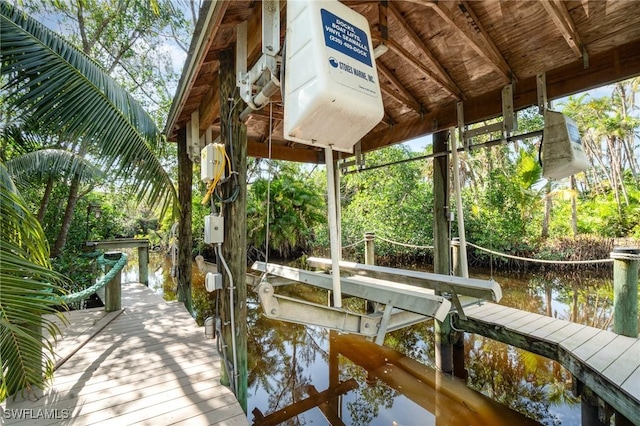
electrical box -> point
(209, 330)
(213, 229)
(212, 162)
(331, 92)
(562, 152)
(213, 282)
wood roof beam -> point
(209, 107)
(443, 79)
(473, 31)
(261, 150)
(401, 94)
(561, 18)
(605, 68)
(419, 66)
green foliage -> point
(27, 291)
(57, 89)
(295, 208)
(395, 202)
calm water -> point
(397, 385)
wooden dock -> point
(147, 364)
(606, 362)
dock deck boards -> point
(146, 364)
(600, 358)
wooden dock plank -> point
(223, 414)
(150, 361)
(609, 363)
(593, 345)
(564, 333)
(550, 328)
(632, 384)
(505, 317)
(610, 352)
(536, 324)
(579, 338)
(525, 319)
(622, 368)
(487, 310)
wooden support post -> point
(594, 412)
(233, 133)
(113, 290)
(369, 248)
(458, 341)
(625, 291)
(441, 263)
(334, 371)
(185, 235)
(370, 259)
(143, 264)
(455, 256)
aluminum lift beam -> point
(404, 304)
(473, 287)
(462, 291)
(407, 297)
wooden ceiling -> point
(440, 53)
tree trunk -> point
(45, 199)
(72, 200)
(185, 236)
(548, 204)
(574, 207)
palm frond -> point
(60, 90)
(45, 163)
(27, 286)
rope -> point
(404, 244)
(614, 255)
(81, 295)
(555, 262)
(352, 245)
(625, 256)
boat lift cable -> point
(270, 176)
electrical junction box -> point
(213, 282)
(331, 91)
(562, 152)
(212, 162)
(213, 229)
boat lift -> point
(409, 297)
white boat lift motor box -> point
(562, 152)
(331, 92)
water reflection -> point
(290, 363)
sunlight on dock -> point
(148, 363)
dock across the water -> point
(608, 363)
(146, 364)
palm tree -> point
(50, 165)
(27, 291)
(57, 89)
